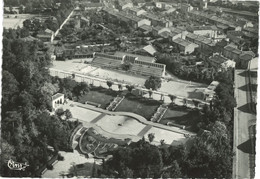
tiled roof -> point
(182, 42)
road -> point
(244, 121)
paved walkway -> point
(243, 166)
(144, 130)
(98, 118)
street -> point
(244, 121)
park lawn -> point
(138, 105)
(182, 116)
(99, 95)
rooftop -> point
(56, 96)
(182, 42)
(218, 59)
(150, 49)
(140, 57)
(146, 27)
(232, 49)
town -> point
(129, 88)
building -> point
(163, 5)
(123, 4)
(91, 6)
(155, 21)
(45, 35)
(220, 62)
(245, 58)
(57, 100)
(140, 3)
(186, 7)
(171, 10)
(231, 52)
(136, 56)
(208, 31)
(253, 65)
(135, 11)
(235, 36)
(149, 49)
(244, 23)
(242, 58)
(185, 46)
(203, 42)
(140, 64)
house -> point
(150, 49)
(171, 10)
(153, 18)
(253, 65)
(244, 23)
(146, 28)
(208, 31)
(203, 42)
(149, 5)
(135, 11)
(123, 4)
(235, 36)
(231, 52)
(241, 58)
(95, 6)
(163, 5)
(46, 35)
(59, 52)
(185, 46)
(186, 7)
(245, 58)
(220, 62)
(140, 3)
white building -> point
(57, 100)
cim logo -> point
(16, 166)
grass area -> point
(182, 116)
(138, 105)
(99, 95)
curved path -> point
(138, 118)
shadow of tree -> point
(247, 146)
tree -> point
(109, 84)
(150, 93)
(162, 142)
(120, 87)
(130, 88)
(94, 171)
(153, 83)
(59, 112)
(68, 114)
(172, 97)
(151, 137)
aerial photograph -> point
(129, 88)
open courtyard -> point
(175, 87)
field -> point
(12, 22)
(99, 95)
(181, 116)
(141, 106)
(118, 76)
(182, 88)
